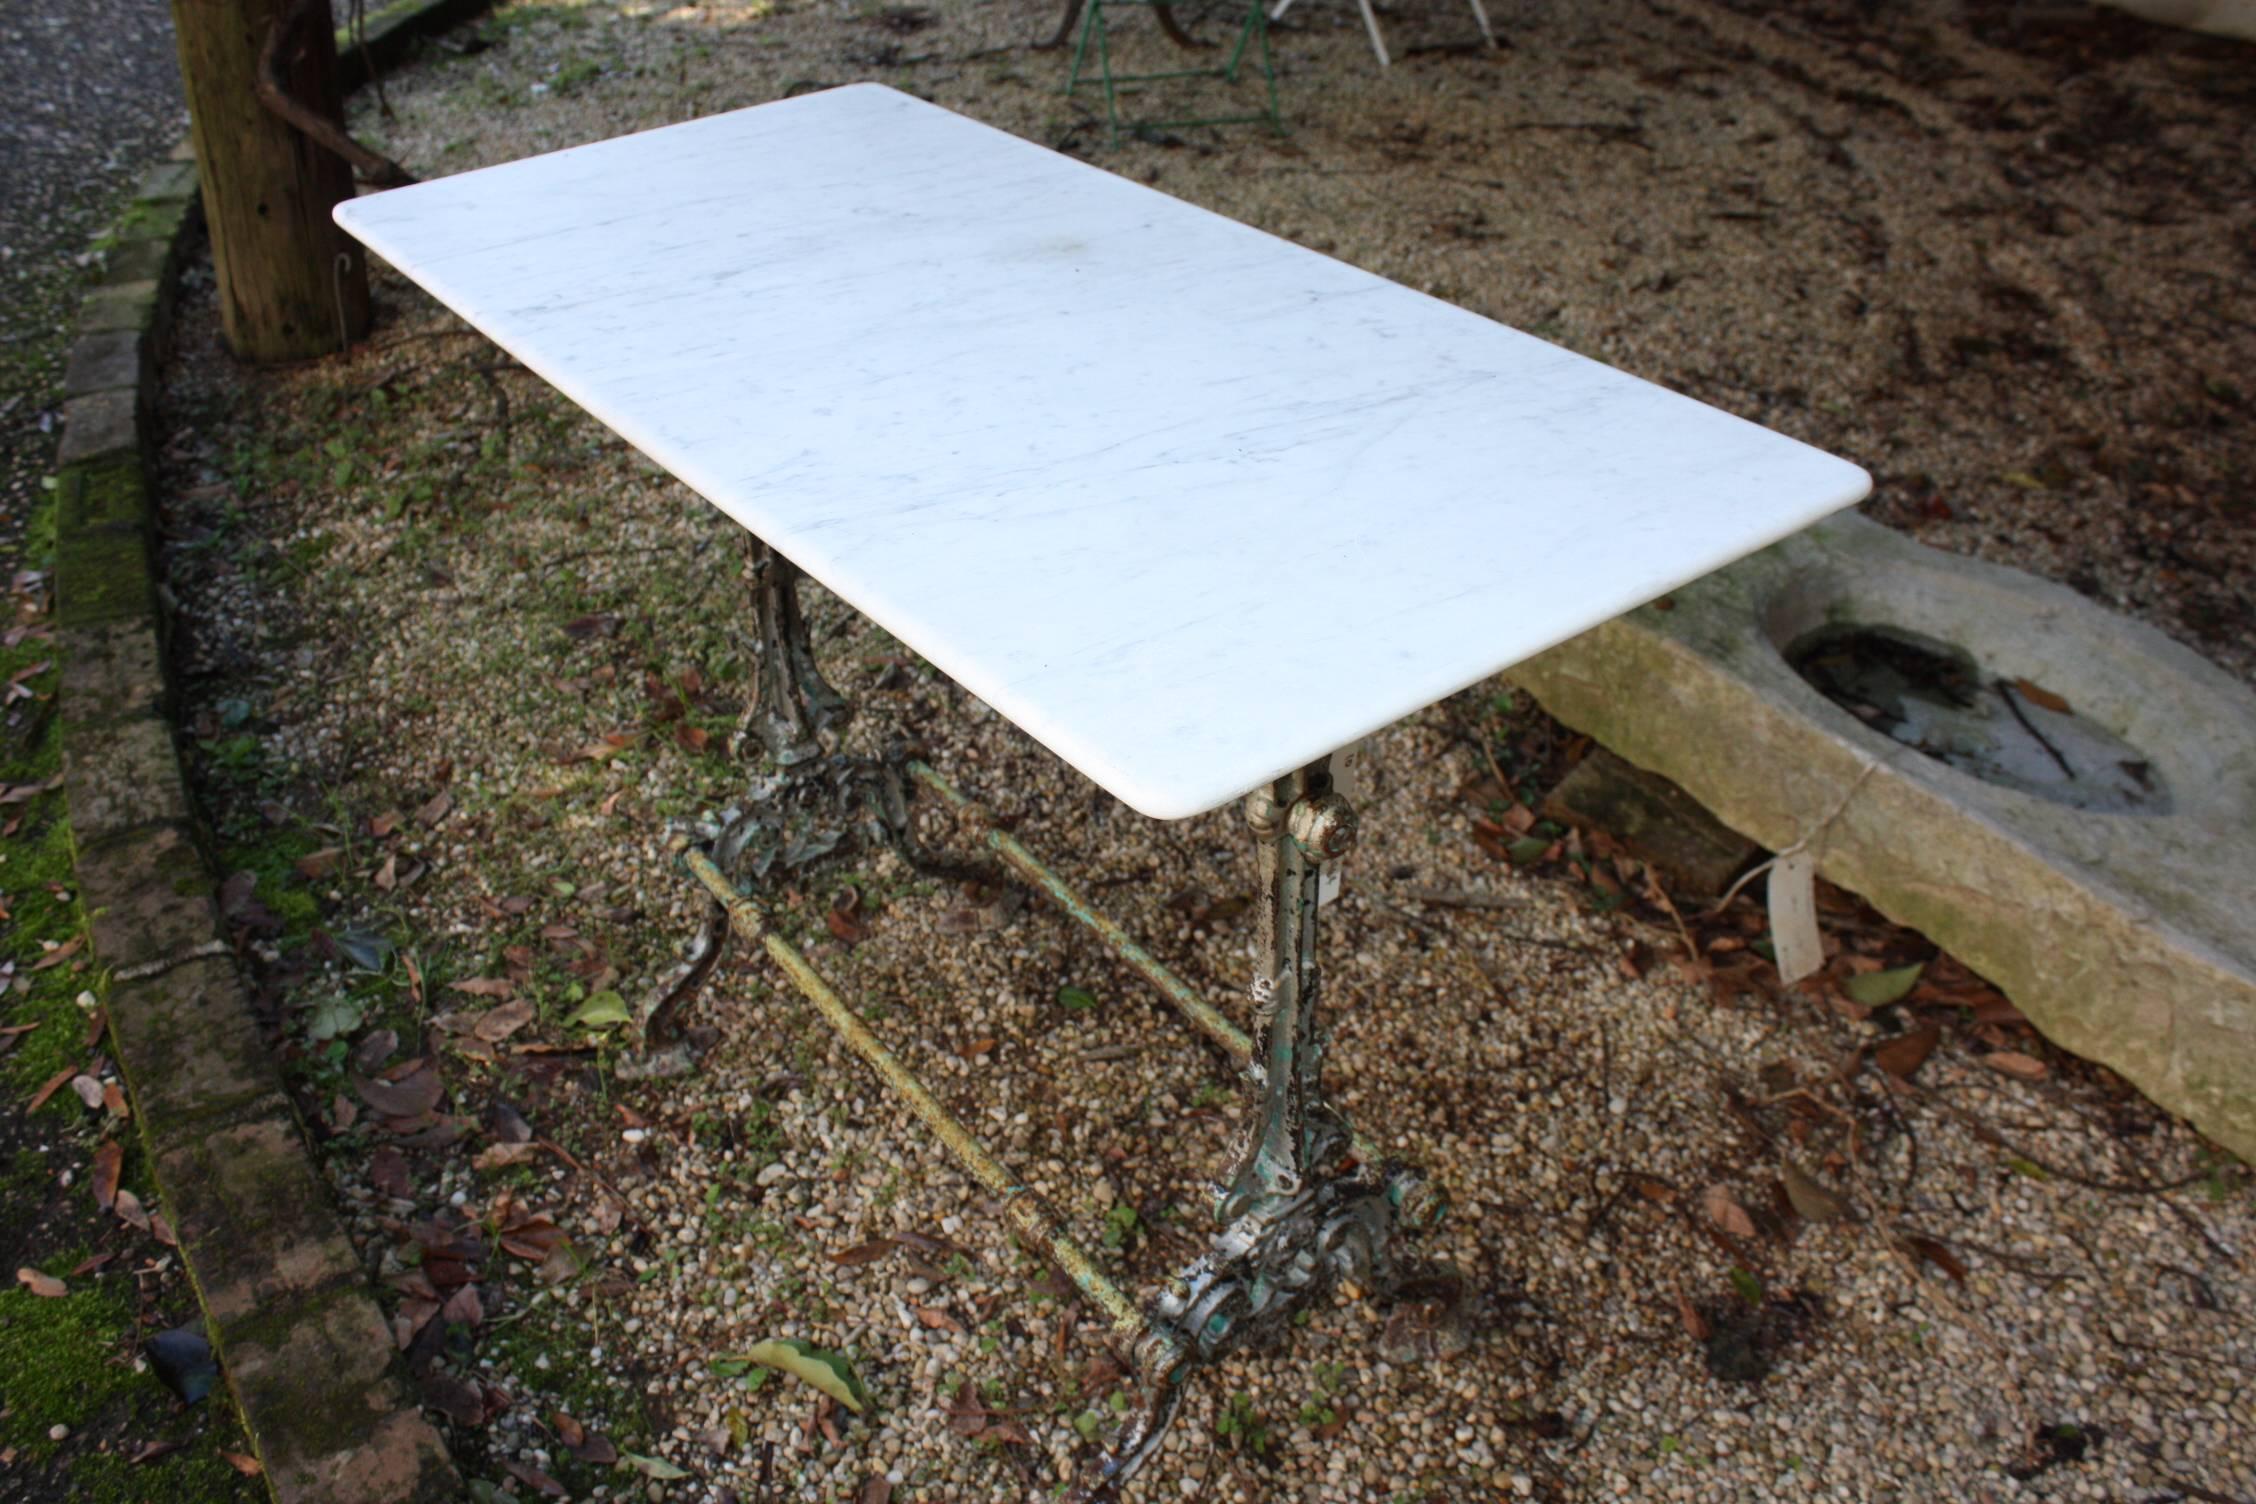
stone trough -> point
(2063, 798)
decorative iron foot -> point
(815, 802)
(792, 818)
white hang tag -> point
(1793, 916)
(1351, 780)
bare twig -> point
(286, 40)
(1461, 898)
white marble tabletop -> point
(1190, 504)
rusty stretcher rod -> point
(1021, 1208)
(1203, 1015)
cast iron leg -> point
(792, 705)
(792, 702)
(1298, 825)
(1301, 1213)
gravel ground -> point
(92, 97)
(455, 656)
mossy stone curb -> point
(308, 1357)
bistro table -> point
(1191, 505)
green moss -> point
(272, 857)
(58, 1356)
(34, 864)
(550, 1332)
(102, 574)
(70, 1362)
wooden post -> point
(284, 294)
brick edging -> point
(308, 1356)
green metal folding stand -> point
(1254, 33)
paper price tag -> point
(1793, 916)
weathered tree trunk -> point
(291, 284)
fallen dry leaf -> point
(464, 1306)
(501, 1156)
(1810, 1196)
(497, 1024)
(1726, 1213)
(412, 1096)
(1695, 1325)
(109, 1160)
(533, 1239)
(2015, 1064)
(1902, 1056)
(316, 865)
(249, 1467)
(41, 1284)
(1939, 1255)
(387, 1171)
(844, 919)
(59, 954)
(462, 1403)
(53, 1084)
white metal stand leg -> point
(1378, 40)
(1371, 24)
(1480, 14)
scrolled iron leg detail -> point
(793, 703)
(792, 706)
(1302, 1214)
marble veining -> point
(1190, 504)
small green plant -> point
(1241, 1426)
(1120, 1225)
(575, 75)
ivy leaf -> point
(332, 1018)
(825, 1370)
(366, 951)
(1877, 989)
(600, 1011)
